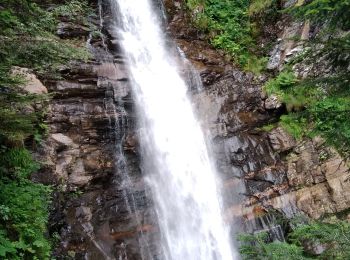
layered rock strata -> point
(100, 206)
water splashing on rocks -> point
(176, 160)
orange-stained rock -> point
(126, 234)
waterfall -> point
(176, 160)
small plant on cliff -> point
(257, 6)
(74, 10)
(330, 238)
(284, 80)
(258, 247)
(227, 24)
(231, 26)
(295, 124)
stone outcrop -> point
(280, 140)
(272, 103)
(31, 83)
(291, 38)
(317, 183)
(69, 30)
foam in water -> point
(176, 160)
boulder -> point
(71, 30)
(78, 176)
(272, 102)
(280, 140)
(83, 213)
(62, 139)
(32, 84)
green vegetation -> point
(258, 247)
(18, 120)
(230, 26)
(23, 208)
(74, 10)
(294, 124)
(331, 238)
(259, 6)
(315, 108)
(284, 80)
(268, 127)
(336, 12)
(27, 39)
(319, 104)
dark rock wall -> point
(100, 207)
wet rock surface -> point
(101, 206)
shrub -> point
(333, 237)
(17, 163)
(74, 10)
(227, 24)
(23, 208)
(295, 125)
(258, 6)
(285, 80)
(258, 247)
(231, 26)
(22, 234)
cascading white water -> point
(176, 159)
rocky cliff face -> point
(265, 173)
(102, 208)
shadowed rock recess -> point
(102, 208)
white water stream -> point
(176, 159)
